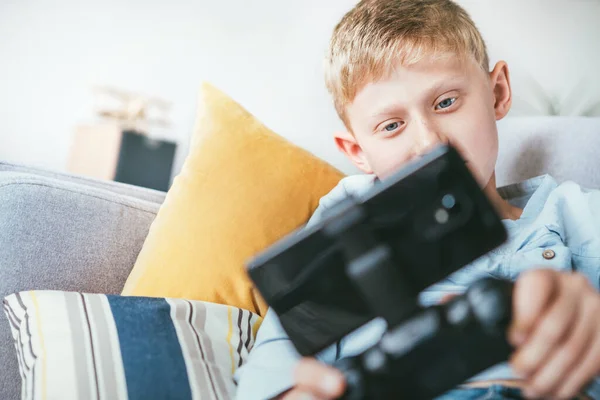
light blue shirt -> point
(563, 218)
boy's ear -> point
(347, 144)
(500, 81)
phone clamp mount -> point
(425, 351)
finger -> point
(447, 297)
(533, 291)
(298, 394)
(319, 379)
(586, 367)
(553, 327)
(549, 378)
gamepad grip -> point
(437, 349)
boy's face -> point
(399, 118)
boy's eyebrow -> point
(391, 108)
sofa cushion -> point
(565, 147)
(242, 187)
(61, 235)
(83, 346)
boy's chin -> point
(485, 182)
(483, 179)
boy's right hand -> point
(315, 381)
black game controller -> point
(427, 354)
(371, 256)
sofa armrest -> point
(56, 234)
(137, 192)
(59, 233)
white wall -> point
(265, 53)
(52, 53)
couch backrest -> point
(568, 148)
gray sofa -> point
(64, 232)
(71, 233)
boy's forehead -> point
(411, 81)
(437, 63)
(432, 68)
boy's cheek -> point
(386, 158)
(481, 154)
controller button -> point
(458, 312)
(405, 337)
(375, 361)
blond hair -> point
(377, 34)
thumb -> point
(321, 380)
(533, 292)
(447, 297)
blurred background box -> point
(95, 150)
(144, 161)
(105, 151)
(119, 147)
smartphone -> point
(431, 213)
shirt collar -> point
(530, 195)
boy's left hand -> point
(556, 333)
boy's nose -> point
(427, 138)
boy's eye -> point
(392, 127)
(445, 103)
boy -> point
(406, 75)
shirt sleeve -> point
(270, 366)
(269, 370)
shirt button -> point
(548, 254)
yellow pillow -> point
(241, 188)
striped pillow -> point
(93, 346)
